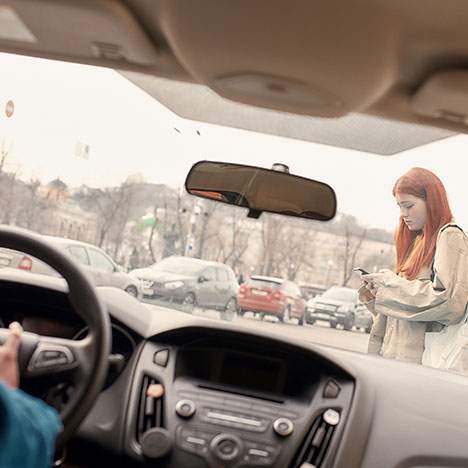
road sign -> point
(9, 108)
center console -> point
(237, 404)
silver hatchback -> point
(102, 270)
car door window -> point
(100, 261)
(209, 274)
(79, 253)
(223, 275)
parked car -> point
(267, 295)
(100, 267)
(191, 282)
(363, 318)
(309, 291)
(337, 306)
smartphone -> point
(361, 270)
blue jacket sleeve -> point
(28, 429)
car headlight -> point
(173, 285)
(144, 283)
(344, 309)
(310, 307)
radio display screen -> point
(252, 372)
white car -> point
(102, 270)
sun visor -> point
(444, 96)
(355, 131)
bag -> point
(448, 349)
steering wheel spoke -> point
(54, 356)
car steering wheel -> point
(83, 362)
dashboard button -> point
(161, 357)
(185, 408)
(156, 443)
(283, 427)
(226, 447)
(331, 390)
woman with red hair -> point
(430, 287)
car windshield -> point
(340, 294)
(179, 266)
(88, 155)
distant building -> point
(64, 217)
(55, 191)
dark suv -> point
(191, 282)
(337, 306)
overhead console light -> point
(444, 96)
(268, 90)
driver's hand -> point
(9, 371)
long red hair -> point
(426, 185)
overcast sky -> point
(58, 105)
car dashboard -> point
(238, 398)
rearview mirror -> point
(261, 190)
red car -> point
(266, 295)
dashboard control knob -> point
(226, 447)
(156, 442)
(283, 427)
(331, 417)
(185, 408)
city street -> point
(319, 333)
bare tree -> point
(296, 249)
(204, 218)
(352, 244)
(9, 201)
(113, 207)
(271, 235)
(233, 243)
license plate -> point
(259, 293)
(321, 316)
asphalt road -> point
(319, 333)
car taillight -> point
(25, 264)
(277, 295)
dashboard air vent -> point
(150, 410)
(314, 448)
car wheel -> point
(368, 329)
(230, 310)
(301, 320)
(333, 324)
(348, 324)
(189, 302)
(132, 290)
(241, 312)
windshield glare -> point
(87, 155)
